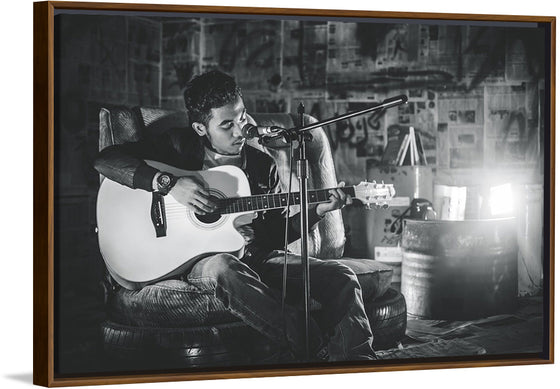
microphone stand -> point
(303, 175)
(300, 133)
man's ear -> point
(199, 128)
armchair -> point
(177, 326)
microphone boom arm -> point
(292, 132)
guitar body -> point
(134, 254)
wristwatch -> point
(165, 181)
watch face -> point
(164, 180)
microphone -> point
(393, 101)
(250, 131)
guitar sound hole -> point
(208, 219)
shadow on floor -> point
(26, 378)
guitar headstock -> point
(373, 193)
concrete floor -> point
(522, 332)
(516, 333)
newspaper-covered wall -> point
(473, 90)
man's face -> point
(224, 127)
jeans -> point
(253, 295)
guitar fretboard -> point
(274, 201)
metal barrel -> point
(459, 270)
(530, 238)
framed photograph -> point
(226, 192)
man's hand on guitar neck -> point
(337, 200)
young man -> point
(249, 286)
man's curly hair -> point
(213, 89)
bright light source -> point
(502, 200)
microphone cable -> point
(285, 269)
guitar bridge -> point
(157, 213)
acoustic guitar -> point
(145, 237)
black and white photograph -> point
(259, 192)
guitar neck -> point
(275, 201)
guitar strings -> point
(254, 203)
(178, 209)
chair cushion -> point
(169, 304)
(176, 304)
(374, 277)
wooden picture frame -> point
(47, 266)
